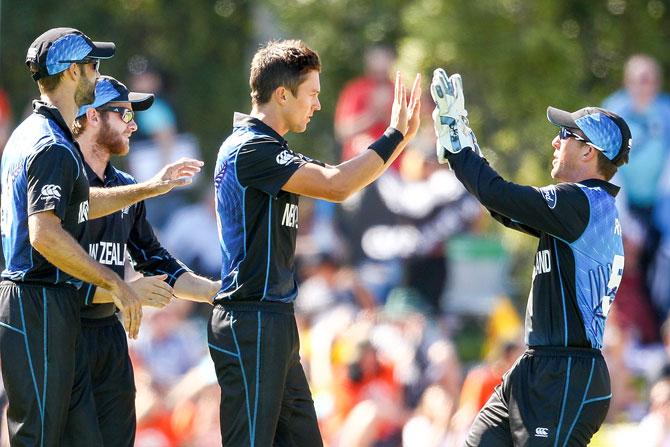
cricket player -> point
(46, 205)
(557, 393)
(103, 129)
(253, 337)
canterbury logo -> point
(284, 157)
(542, 432)
(50, 192)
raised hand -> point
(450, 116)
(153, 290)
(414, 107)
(399, 114)
(179, 173)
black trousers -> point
(265, 396)
(44, 367)
(112, 380)
(550, 397)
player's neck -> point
(95, 155)
(270, 116)
(63, 100)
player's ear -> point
(280, 95)
(588, 152)
(93, 116)
(73, 71)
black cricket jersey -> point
(257, 221)
(42, 170)
(579, 260)
(127, 231)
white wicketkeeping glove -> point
(450, 117)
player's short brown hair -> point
(282, 63)
(79, 126)
(607, 167)
(46, 84)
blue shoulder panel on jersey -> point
(597, 252)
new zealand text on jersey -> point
(108, 253)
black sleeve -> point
(268, 165)
(561, 210)
(51, 175)
(509, 223)
(148, 255)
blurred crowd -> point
(404, 310)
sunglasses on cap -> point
(127, 115)
(564, 133)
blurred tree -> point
(198, 44)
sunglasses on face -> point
(566, 133)
(85, 61)
(127, 115)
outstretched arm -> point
(104, 201)
(152, 290)
(525, 208)
(192, 287)
(336, 183)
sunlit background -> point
(412, 298)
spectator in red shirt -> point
(362, 111)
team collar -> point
(611, 189)
(244, 120)
(110, 174)
(51, 112)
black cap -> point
(108, 89)
(55, 50)
(605, 130)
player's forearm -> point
(58, 247)
(359, 172)
(104, 201)
(102, 296)
(355, 174)
(192, 287)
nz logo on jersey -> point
(549, 195)
(290, 217)
(50, 192)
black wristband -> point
(387, 143)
